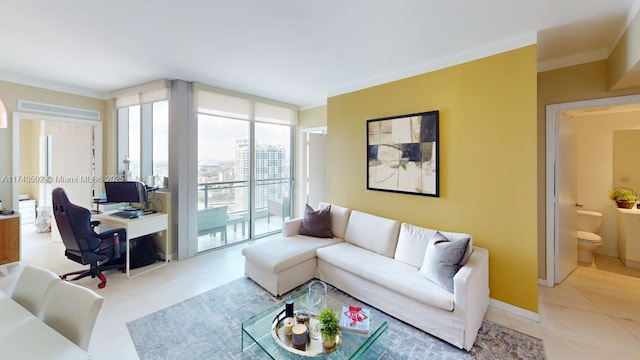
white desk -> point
(24, 336)
(143, 225)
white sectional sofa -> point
(377, 260)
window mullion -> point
(123, 138)
(146, 141)
(252, 169)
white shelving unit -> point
(27, 209)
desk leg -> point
(127, 264)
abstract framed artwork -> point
(403, 154)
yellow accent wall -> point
(488, 157)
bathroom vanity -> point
(629, 237)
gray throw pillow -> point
(316, 223)
(443, 259)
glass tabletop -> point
(256, 331)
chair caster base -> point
(103, 281)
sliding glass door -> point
(273, 177)
(244, 168)
(223, 181)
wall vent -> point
(58, 110)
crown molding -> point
(52, 85)
(511, 43)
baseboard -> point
(545, 282)
(530, 315)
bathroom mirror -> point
(626, 159)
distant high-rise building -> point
(272, 173)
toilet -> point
(588, 223)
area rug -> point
(208, 326)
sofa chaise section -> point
(281, 264)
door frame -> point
(551, 119)
(15, 161)
(303, 163)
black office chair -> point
(83, 244)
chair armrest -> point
(94, 223)
(471, 293)
(291, 227)
(111, 233)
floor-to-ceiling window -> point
(143, 141)
(273, 176)
(132, 127)
(244, 168)
(143, 135)
(160, 143)
(223, 181)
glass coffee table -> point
(258, 331)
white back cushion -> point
(413, 241)
(373, 233)
(339, 219)
(71, 310)
(31, 287)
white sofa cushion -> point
(339, 219)
(394, 275)
(413, 241)
(373, 233)
(282, 253)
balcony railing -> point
(234, 195)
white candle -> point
(288, 325)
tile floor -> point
(594, 314)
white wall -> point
(626, 164)
(595, 169)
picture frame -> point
(403, 154)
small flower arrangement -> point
(623, 196)
(620, 193)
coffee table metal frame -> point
(257, 331)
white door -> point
(566, 244)
(70, 156)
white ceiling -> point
(296, 51)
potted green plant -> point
(624, 197)
(329, 327)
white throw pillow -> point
(413, 241)
(443, 259)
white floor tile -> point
(594, 314)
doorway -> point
(52, 151)
(314, 168)
(560, 201)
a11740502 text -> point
(58, 179)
